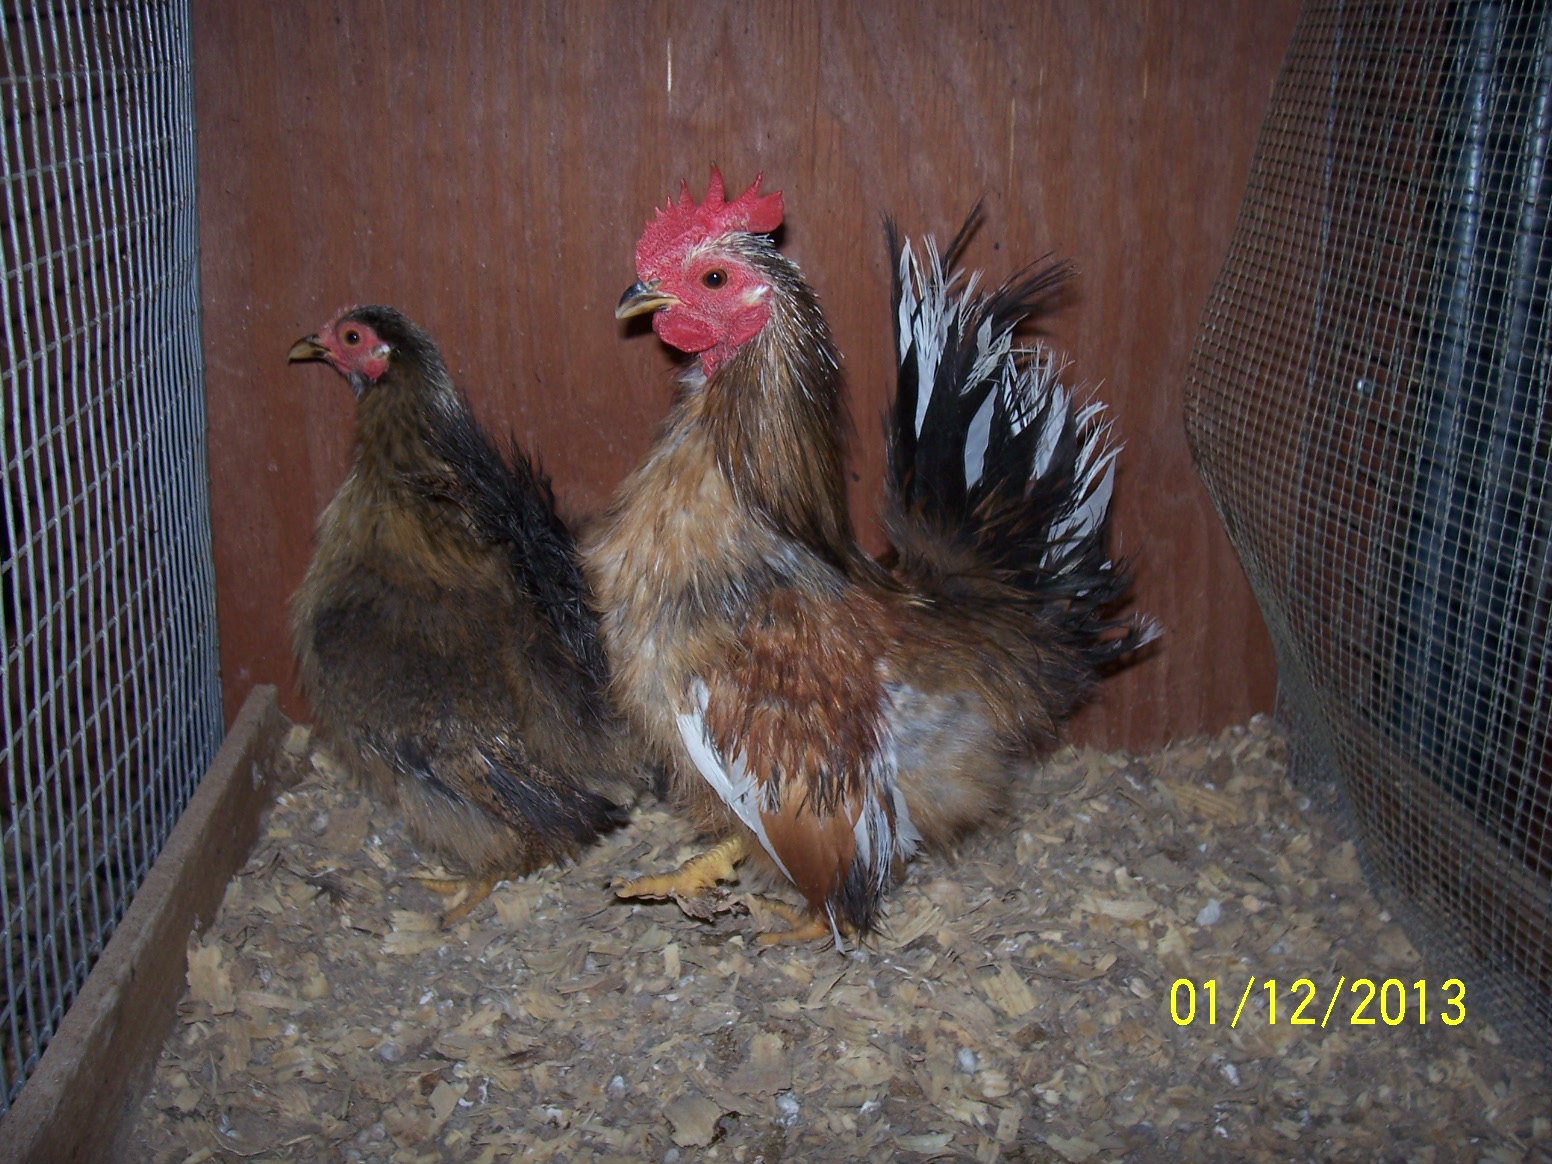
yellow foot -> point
(694, 877)
(478, 889)
(803, 925)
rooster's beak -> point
(642, 298)
(307, 348)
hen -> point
(817, 708)
(442, 633)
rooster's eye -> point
(714, 279)
(352, 337)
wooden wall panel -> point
(486, 166)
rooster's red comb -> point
(680, 225)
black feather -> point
(509, 501)
(1006, 524)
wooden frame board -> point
(96, 1068)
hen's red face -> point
(705, 296)
(350, 347)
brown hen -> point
(442, 633)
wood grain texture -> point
(487, 166)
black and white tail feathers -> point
(995, 471)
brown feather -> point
(431, 672)
(799, 695)
(816, 848)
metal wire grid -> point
(1368, 405)
(111, 706)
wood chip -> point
(767, 1070)
(1341, 865)
(444, 1098)
(1133, 910)
(821, 987)
(671, 965)
(1075, 1149)
(694, 1119)
(1204, 802)
(1008, 992)
(210, 977)
(255, 1001)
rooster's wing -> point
(791, 733)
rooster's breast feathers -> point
(791, 730)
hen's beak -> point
(642, 298)
(307, 348)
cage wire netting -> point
(1367, 403)
(112, 705)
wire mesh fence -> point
(1368, 405)
(111, 705)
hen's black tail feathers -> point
(995, 471)
(508, 500)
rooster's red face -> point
(706, 297)
(348, 345)
(711, 303)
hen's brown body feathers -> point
(437, 668)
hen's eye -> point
(352, 337)
(714, 279)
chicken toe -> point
(695, 876)
(477, 889)
(803, 926)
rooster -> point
(442, 632)
(818, 709)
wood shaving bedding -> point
(1018, 1006)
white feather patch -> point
(908, 837)
(1090, 512)
(1050, 434)
(977, 438)
(732, 782)
(908, 301)
(991, 352)
(1087, 413)
(925, 317)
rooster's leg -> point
(478, 889)
(803, 925)
(695, 876)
